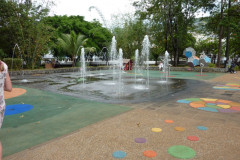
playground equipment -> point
(204, 59)
(190, 53)
(127, 63)
(193, 60)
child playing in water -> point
(5, 85)
(160, 66)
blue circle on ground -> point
(119, 154)
(202, 128)
(17, 108)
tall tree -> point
(225, 20)
(98, 36)
(228, 35)
(129, 34)
(72, 43)
(21, 23)
(220, 36)
(171, 19)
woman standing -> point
(5, 85)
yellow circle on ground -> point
(15, 92)
(156, 129)
(224, 106)
(208, 99)
(179, 129)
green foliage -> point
(21, 23)
(211, 65)
(156, 52)
(98, 37)
(72, 43)
(170, 22)
(208, 46)
(2, 54)
(15, 63)
(130, 34)
(236, 68)
(230, 21)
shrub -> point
(236, 68)
(211, 65)
(2, 54)
(17, 63)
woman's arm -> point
(8, 83)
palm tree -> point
(71, 44)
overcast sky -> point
(106, 7)
(81, 7)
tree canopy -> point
(98, 37)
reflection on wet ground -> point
(101, 86)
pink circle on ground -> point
(192, 138)
(140, 140)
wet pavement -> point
(106, 87)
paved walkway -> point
(99, 141)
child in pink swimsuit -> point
(5, 85)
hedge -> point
(15, 63)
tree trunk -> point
(171, 28)
(176, 46)
(220, 37)
(228, 38)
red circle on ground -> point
(149, 153)
(192, 138)
(168, 121)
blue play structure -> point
(193, 60)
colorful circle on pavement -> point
(140, 140)
(203, 128)
(192, 138)
(156, 129)
(168, 121)
(228, 86)
(212, 105)
(119, 154)
(181, 129)
(14, 93)
(149, 153)
(181, 152)
(17, 108)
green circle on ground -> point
(182, 152)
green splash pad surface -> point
(53, 115)
(180, 74)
